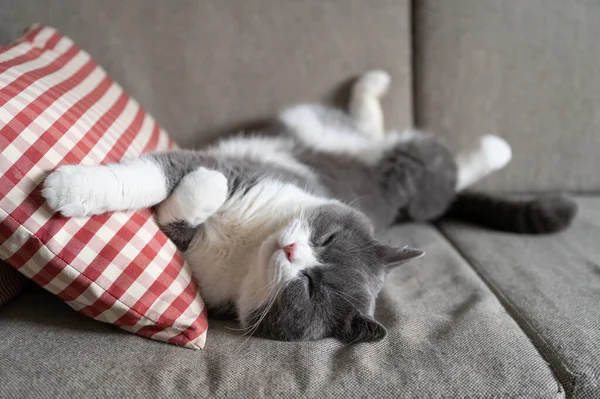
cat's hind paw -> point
(496, 151)
(374, 83)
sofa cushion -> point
(207, 67)
(58, 107)
(524, 70)
(551, 286)
(448, 337)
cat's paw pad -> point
(200, 194)
(373, 83)
(67, 190)
(497, 151)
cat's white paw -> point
(68, 190)
(374, 83)
(199, 195)
(496, 150)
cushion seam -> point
(521, 321)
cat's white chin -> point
(273, 269)
(265, 276)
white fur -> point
(364, 105)
(197, 197)
(365, 108)
(238, 255)
(309, 130)
(81, 190)
(493, 153)
(270, 150)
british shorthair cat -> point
(280, 230)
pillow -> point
(58, 107)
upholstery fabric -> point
(58, 107)
(524, 70)
(204, 68)
(551, 286)
(448, 337)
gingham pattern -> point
(58, 107)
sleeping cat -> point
(280, 230)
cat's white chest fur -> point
(227, 247)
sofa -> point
(483, 315)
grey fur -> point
(336, 298)
(374, 180)
(241, 175)
(412, 180)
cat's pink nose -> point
(289, 251)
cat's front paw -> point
(208, 190)
(197, 197)
(68, 190)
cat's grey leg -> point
(197, 197)
(365, 106)
(82, 190)
(492, 153)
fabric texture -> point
(524, 70)
(58, 107)
(551, 286)
(11, 283)
(205, 68)
(448, 337)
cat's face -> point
(319, 277)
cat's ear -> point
(398, 256)
(360, 328)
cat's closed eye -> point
(328, 240)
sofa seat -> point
(448, 336)
(551, 286)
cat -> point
(279, 230)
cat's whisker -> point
(348, 296)
(269, 285)
(363, 248)
(255, 325)
(236, 329)
(346, 299)
(266, 297)
(357, 199)
(276, 280)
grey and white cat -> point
(280, 230)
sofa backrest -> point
(525, 70)
(205, 68)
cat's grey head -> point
(319, 277)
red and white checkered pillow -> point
(58, 107)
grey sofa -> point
(483, 315)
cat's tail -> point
(534, 216)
